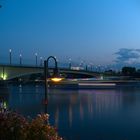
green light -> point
(4, 77)
(5, 105)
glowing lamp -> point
(4, 77)
(56, 79)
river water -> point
(106, 114)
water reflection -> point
(78, 114)
(4, 98)
(96, 112)
(26, 99)
(84, 104)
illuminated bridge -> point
(8, 72)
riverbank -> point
(14, 126)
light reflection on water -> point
(81, 114)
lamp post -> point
(46, 75)
(91, 66)
(99, 68)
(82, 64)
(20, 59)
(10, 56)
(41, 60)
(86, 67)
(69, 63)
(36, 59)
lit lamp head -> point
(56, 79)
(56, 76)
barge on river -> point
(94, 84)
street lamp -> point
(86, 67)
(36, 59)
(55, 77)
(99, 68)
(69, 63)
(82, 65)
(41, 60)
(91, 66)
(20, 59)
(10, 56)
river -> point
(95, 114)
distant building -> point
(77, 68)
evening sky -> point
(83, 30)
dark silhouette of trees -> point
(128, 71)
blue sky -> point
(84, 30)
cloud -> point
(129, 56)
(138, 50)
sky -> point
(92, 31)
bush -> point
(15, 127)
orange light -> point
(56, 79)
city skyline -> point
(99, 32)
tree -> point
(129, 71)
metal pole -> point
(46, 75)
(10, 55)
(3, 73)
(45, 78)
(36, 59)
(86, 68)
(69, 63)
(20, 59)
(41, 61)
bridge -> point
(8, 72)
